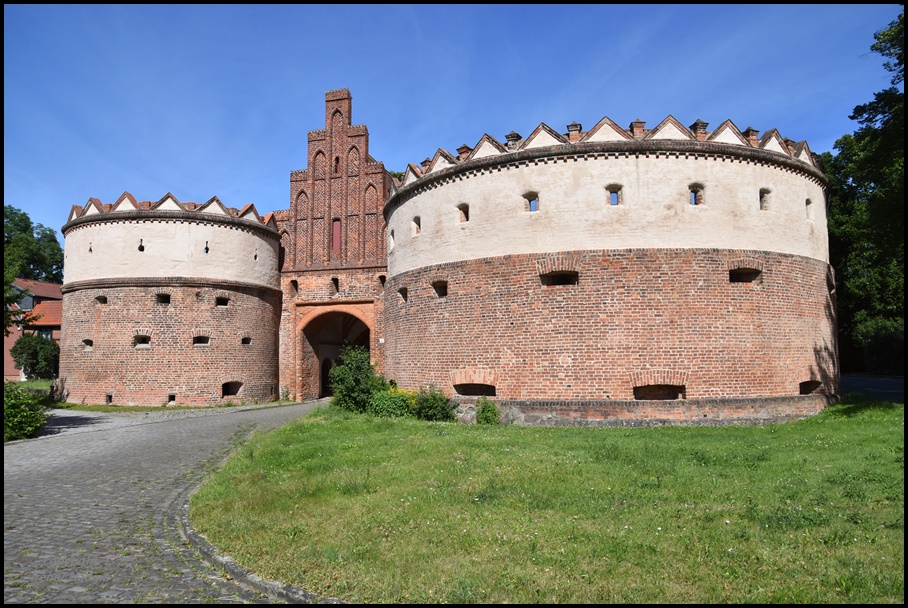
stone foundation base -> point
(693, 412)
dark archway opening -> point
(323, 339)
(230, 389)
(810, 387)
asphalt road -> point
(890, 388)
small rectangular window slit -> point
(563, 277)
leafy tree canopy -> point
(11, 295)
(33, 249)
(867, 217)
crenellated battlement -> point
(169, 203)
(613, 137)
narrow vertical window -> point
(764, 199)
(464, 212)
(614, 194)
(532, 201)
(391, 241)
(417, 225)
(696, 194)
(809, 210)
(336, 235)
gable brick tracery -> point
(344, 184)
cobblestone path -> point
(93, 509)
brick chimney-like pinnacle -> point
(699, 130)
(513, 139)
(574, 131)
(637, 130)
(752, 136)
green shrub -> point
(37, 357)
(392, 403)
(353, 380)
(23, 413)
(487, 412)
(432, 405)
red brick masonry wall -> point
(635, 318)
(309, 295)
(171, 364)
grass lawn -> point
(36, 386)
(401, 511)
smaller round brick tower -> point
(169, 303)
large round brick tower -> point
(616, 276)
(169, 303)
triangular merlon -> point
(606, 130)
(542, 137)
(249, 212)
(168, 203)
(670, 129)
(486, 146)
(728, 133)
(411, 175)
(442, 160)
(773, 142)
(214, 206)
(802, 153)
(126, 202)
(92, 207)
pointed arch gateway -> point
(322, 336)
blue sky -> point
(205, 101)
